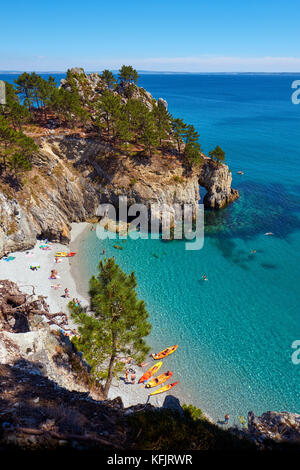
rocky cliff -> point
(72, 175)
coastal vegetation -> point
(117, 326)
(124, 115)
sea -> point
(236, 330)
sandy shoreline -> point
(70, 277)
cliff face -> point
(72, 175)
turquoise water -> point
(234, 331)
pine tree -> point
(149, 135)
(109, 107)
(118, 325)
(217, 154)
(13, 111)
(128, 74)
(16, 148)
(162, 120)
(67, 105)
(108, 78)
(192, 150)
(178, 127)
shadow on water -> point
(260, 209)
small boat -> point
(240, 172)
(147, 375)
(165, 388)
(64, 254)
(166, 352)
(159, 380)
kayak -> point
(159, 380)
(164, 389)
(150, 372)
(166, 352)
(64, 254)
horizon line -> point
(160, 71)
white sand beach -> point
(18, 270)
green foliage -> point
(184, 133)
(15, 113)
(164, 430)
(118, 325)
(16, 148)
(128, 74)
(109, 108)
(108, 78)
(67, 105)
(162, 121)
(192, 150)
(149, 135)
(217, 154)
(192, 412)
(178, 128)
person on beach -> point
(53, 274)
(103, 251)
(133, 377)
(226, 418)
(67, 295)
(126, 375)
(143, 364)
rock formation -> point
(279, 427)
(73, 175)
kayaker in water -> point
(204, 277)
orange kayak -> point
(64, 254)
(164, 389)
(159, 380)
(166, 352)
(150, 372)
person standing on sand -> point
(133, 376)
(226, 419)
(67, 295)
(126, 375)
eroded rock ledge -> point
(72, 175)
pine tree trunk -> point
(109, 376)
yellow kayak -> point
(166, 352)
(159, 380)
(164, 389)
(150, 372)
(64, 254)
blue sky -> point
(161, 35)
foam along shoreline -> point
(70, 277)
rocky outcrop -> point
(31, 339)
(279, 427)
(216, 179)
(72, 175)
